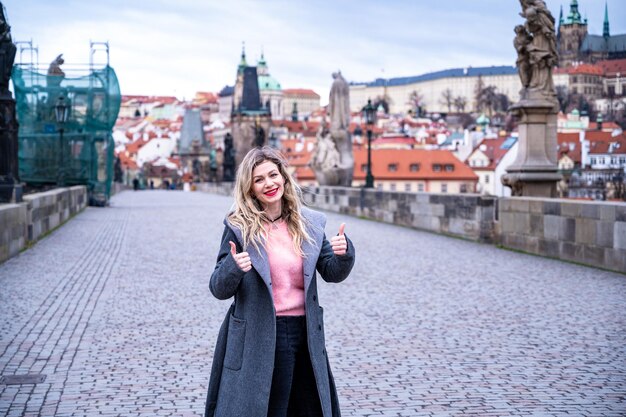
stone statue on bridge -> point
(55, 73)
(534, 171)
(535, 43)
(333, 162)
(7, 54)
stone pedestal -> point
(10, 188)
(534, 172)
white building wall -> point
(505, 162)
(432, 92)
(158, 147)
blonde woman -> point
(270, 358)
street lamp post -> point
(369, 114)
(61, 112)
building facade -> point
(306, 102)
(462, 82)
(575, 44)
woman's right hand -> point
(242, 259)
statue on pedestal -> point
(7, 54)
(55, 73)
(332, 160)
(229, 159)
(534, 171)
(535, 43)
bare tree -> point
(488, 99)
(478, 93)
(416, 101)
(459, 103)
(447, 99)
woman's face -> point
(268, 185)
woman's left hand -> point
(339, 243)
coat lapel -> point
(258, 258)
(315, 223)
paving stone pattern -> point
(114, 309)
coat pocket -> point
(234, 343)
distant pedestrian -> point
(270, 358)
(135, 184)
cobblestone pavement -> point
(114, 309)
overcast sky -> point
(167, 47)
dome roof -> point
(482, 119)
(267, 82)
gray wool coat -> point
(243, 360)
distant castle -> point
(575, 44)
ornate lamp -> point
(61, 113)
(369, 114)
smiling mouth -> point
(271, 193)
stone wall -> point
(588, 232)
(469, 216)
(13, 229)
(21, 224)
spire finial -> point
(242, 62)
(605, 31)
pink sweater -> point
(286, 271)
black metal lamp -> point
(61, 113)
(369, 114)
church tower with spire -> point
(606, 34)
(250, 118)
(571, 34)
(575, 44)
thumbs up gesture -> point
(242, 259)
(339, 243)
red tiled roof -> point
(135, 146)
(598, 135)
(127, 162)
(299, 126)
(588, 69)
(492, 148)
(300, 92)
(616, 146)
(569, 144)
(610, 126)
(150, 99)
(403, 159)
(613, 67)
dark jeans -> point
(294, 392)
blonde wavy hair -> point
(249, 215)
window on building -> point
(593, 161)
(574, 79)
(407, 187)
(463, 188)
(363, 167)
(444, 188)
(392, 167)
(487, 179)
(437, 167)
(392, 186)
(379, 186)
(420, 187)
(574, 90)
(449, 167)
(414, 167)
(622, 160)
